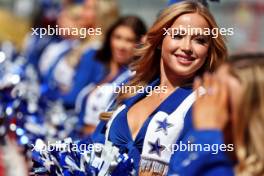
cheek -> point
(113, 43)
(201, 51)
(113, 48)
(90, 16)
(168, 45)
(128, 50)
(130, 47)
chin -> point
(183, 72)
(186, 75)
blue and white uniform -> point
(52, 53)
(151, 149)
(94, 99)
(36, 46)
(74, 79)
(211, 160)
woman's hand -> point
(210, 111)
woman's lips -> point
(184, 59)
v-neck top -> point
(119, 132)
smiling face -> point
(183, 55)
(122, 44)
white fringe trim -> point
(154, 166)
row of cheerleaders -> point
(49, 125)
(50, 135)
(39, 121)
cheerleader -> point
(148, 122)
(75, 61)
(47, 15)
(232, 108)
(117, 52)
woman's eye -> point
(201, 41)
(116, 36)
(177, 36)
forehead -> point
(194, 20)
(124, 31)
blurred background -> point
(245, 16)
(49, 87)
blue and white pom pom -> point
(70, 159)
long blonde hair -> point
(147, 67)
(106, 14)
(249, 132)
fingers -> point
(209, 84)
(214, 87)
(197, 83)
(207, 80)
(219, 90)
(210, 110)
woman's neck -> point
(114, 67)
(172, 81)
(113, 71)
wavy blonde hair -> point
(106, 14)
(249, 133)
(147, 67)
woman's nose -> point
(186, 46)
